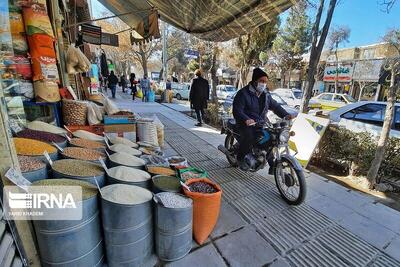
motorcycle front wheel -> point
(291, 182)
(230, 141)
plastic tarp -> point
(213, 20)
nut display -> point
(74, 112)
(82, 153)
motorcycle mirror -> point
(292, 133)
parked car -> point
(365, 116)
(229, 102)
(291, 96)
(331, 101)
(181, 90)
(223, 91)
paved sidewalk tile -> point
(393, 249)
(383, 215)
(385, 261)
(229, 220)
(279, 263)
(203, 257)
(246, 248)
(368, 230)
(330, 208)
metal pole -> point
(164, 52)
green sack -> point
(188, 173)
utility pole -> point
(164, 52)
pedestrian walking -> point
(132, 80)
(145, 86)
(112, 83)
(122, 82)
(199, 94)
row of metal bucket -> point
(131, 232)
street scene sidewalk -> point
(335, 226)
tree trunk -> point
(337, 70)
(384, 137)
(282, 78)
(361, 91)
(289, 77)
(214, 78)
(244, 71)
(316, 50)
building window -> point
(369, 53)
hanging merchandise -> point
(36, 20)
(104, 65)
(77, 62)
(74, 112)
(46, 91)
(17, 29)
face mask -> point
(261, 87)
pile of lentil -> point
(77, 168)
(88, 190)
(174, 200)
(123, 113)
(41, 136)
(83, 153)
(30, 147)
(29, 164)
(202, 187)
(84, 143)
(126, 194)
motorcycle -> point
(272, 145)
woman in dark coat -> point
(199, 95)
(133, 85)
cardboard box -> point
(122, 130)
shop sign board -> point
(189, 53)
(345, 72)
(109, 39)
(367, 70)
(309, 131)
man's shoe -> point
(271, 171)
(199, 124)
(243, 165)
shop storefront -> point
(365, 79)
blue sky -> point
(365, 18)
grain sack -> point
(45, 68)
(46, 91)
(160, 131)
(45, 127)
(109, 106)
(92, 116)
(74, 112)
(147, 132)
(36, 20)
(88, 135)
(76, 61)
(17, 29)
(23, 67)
(41, 45)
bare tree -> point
(392, 65)
(338, 36)
(144, 52)
(318, 41)
(387, 5)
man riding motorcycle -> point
(250, 106)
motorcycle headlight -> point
(284, 136)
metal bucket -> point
(173, 231)
(63, 144)
(145, 184)
(53, 157)
(101, 179)
(115, 164)
(128, 231)
(157, 187)
(62, 156)
(36, 175)
(77, 243)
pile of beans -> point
(74, 112)
(79, 142)
(123, 113)
(78, 168)
(82, 153)
(29, 164)
(173, 200)
(41, 136)
(30, 147)
(202, 187)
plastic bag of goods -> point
(74, 112)
(45, 127)
(17, 30)
(147, 131)
(110, 106)
(46, 91)
(36, 20)
(76, 61)
(160, 131)
(91, 114)
(206, 197)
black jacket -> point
(199, 93)
(112, 80)
(247, 105)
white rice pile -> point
(128, 174)
(127, 160)
(126, 194)
(123, 141)
(88, 135)
(45, 127)
(126, 149)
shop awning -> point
(207, 19)
(367, 70)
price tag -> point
(97, 184)
(103, 164)
(68, 138)
(47, 156)
(58, 147)
(18, 179)
(106, 141)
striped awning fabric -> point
(213, 20)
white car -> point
(291, 96)
(181, 90)
(224, 91)
(365, 116)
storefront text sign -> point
(345, 72)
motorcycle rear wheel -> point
(286, 183)
(230, 141)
